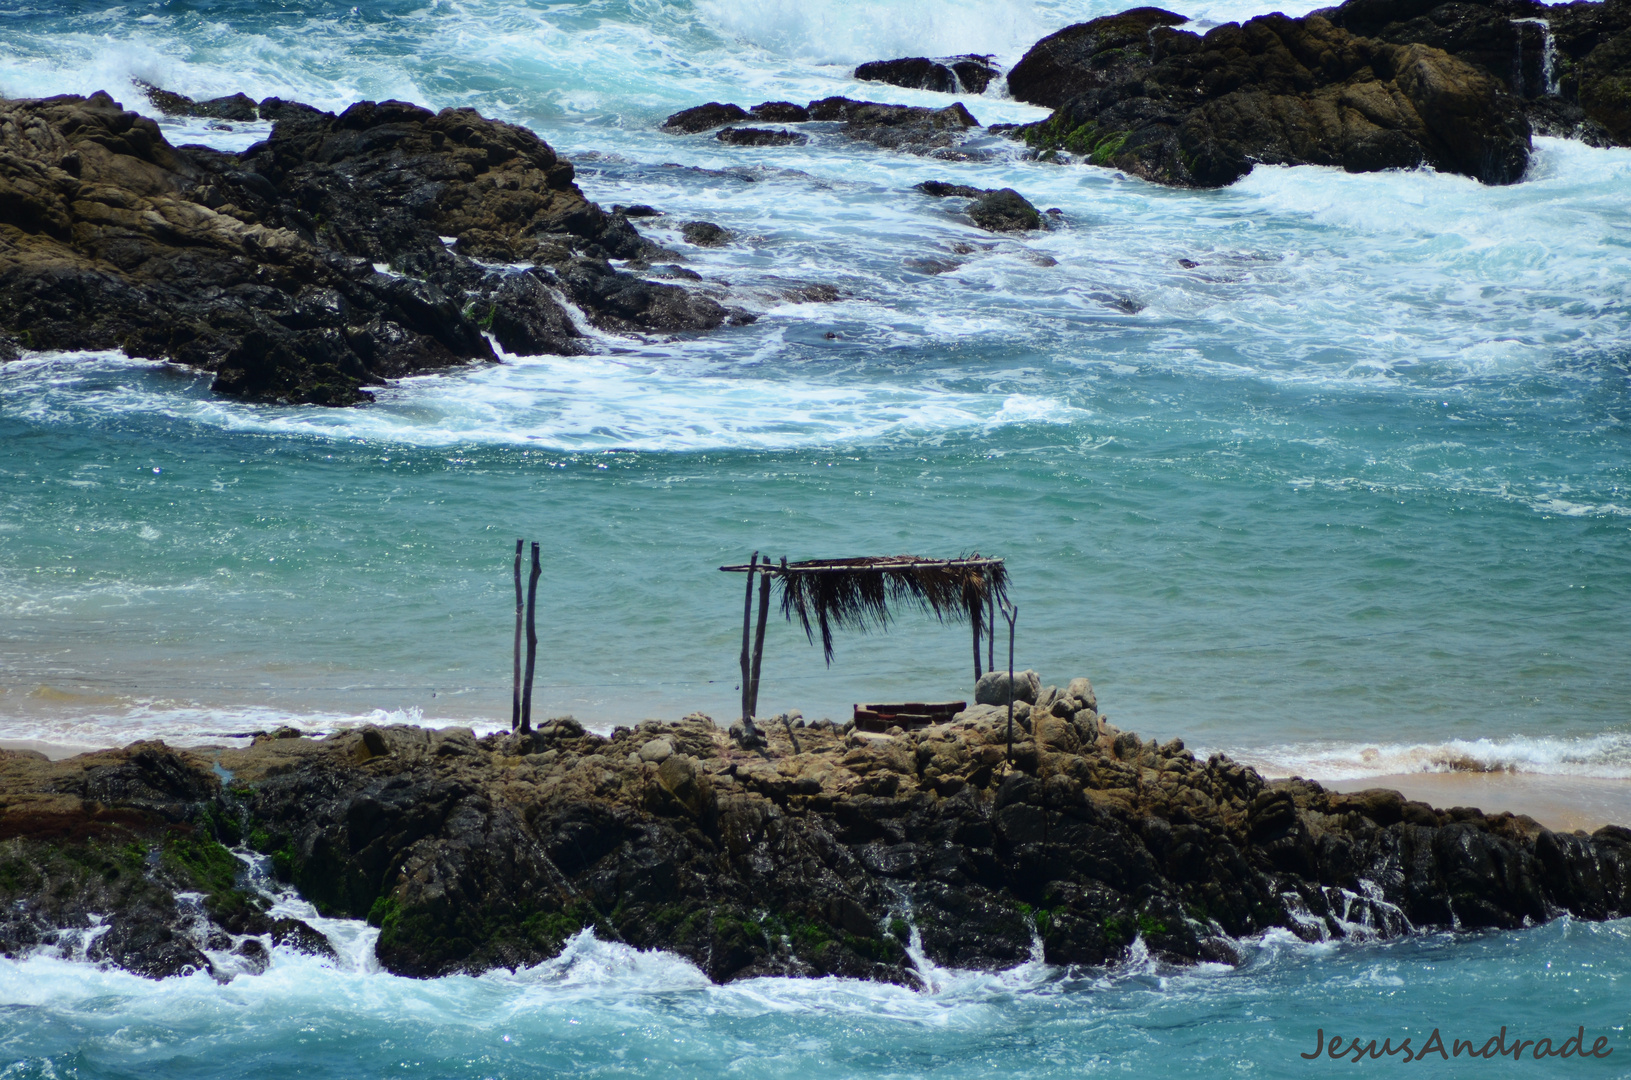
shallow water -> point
(1349, 497)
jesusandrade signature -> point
(1496, 1046)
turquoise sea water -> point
(1349, 497)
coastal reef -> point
(340, 252)
(829, 850)
(1134, 92)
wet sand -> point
(1561, 803)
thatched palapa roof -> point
(856, 594)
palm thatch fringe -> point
(858, 594)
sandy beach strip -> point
(1561, 803)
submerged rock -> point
(761, 137)
(779, 112)
(470, 854)
(908, 128)
(705, 234)
(340, 252)
(703, 117)
(999, 210)
(1167, 105)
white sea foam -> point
(1606, 756)
(64, 724)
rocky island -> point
(828, 851)
(340, 252)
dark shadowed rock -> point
(1086, 56)
(638, 210)
(705, 234)
(702, 117)
(1587, 92)
(336, 254)
(1201, 111)
(1001, 210)
(908, 128)
(1004, 210)
(238, 107)
(913, 72)
(761, 137)
(940, 189)
(779, 112)
(957, 74)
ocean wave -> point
(568, 404)
(1603, 756)
(63, 723)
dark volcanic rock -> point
(705, 234)
(1004, 210)
(1001, 210)
(1086, 56)
(761, 137)
(966, 74)
(1587, 92)
(910, 128)
(470, 854)
(239, 106)
(779, 112)
(1201, 111)
(702, 117)
(913, 72)
(313, 264)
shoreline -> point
(1559, 802)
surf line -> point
(1495, 1047)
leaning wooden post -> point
(515, 681)
(759, 635)
(991, 623)
(747, 656)
(974, 609)
(1011, 613)
(532, 641)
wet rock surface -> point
(117, 858)
(475, 853)
(998, 210)
(968, 74)
(1133, 92)
(340, 252)
(910, 129)
(1569, 64)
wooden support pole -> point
(1011, 613)
(515, 681)
(747, 637)
(532, 641)
(991, 623)
(974, 611)
(759, 637)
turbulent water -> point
(1349, 496)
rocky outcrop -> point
(1087, 56)
(1135, 93)
(907, 128)
(967, 74)
(117, 858)
(748, 136)
(340, 252)
(1569, 64)
(999, 210)
(823, 852)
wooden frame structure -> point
(857, 594)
